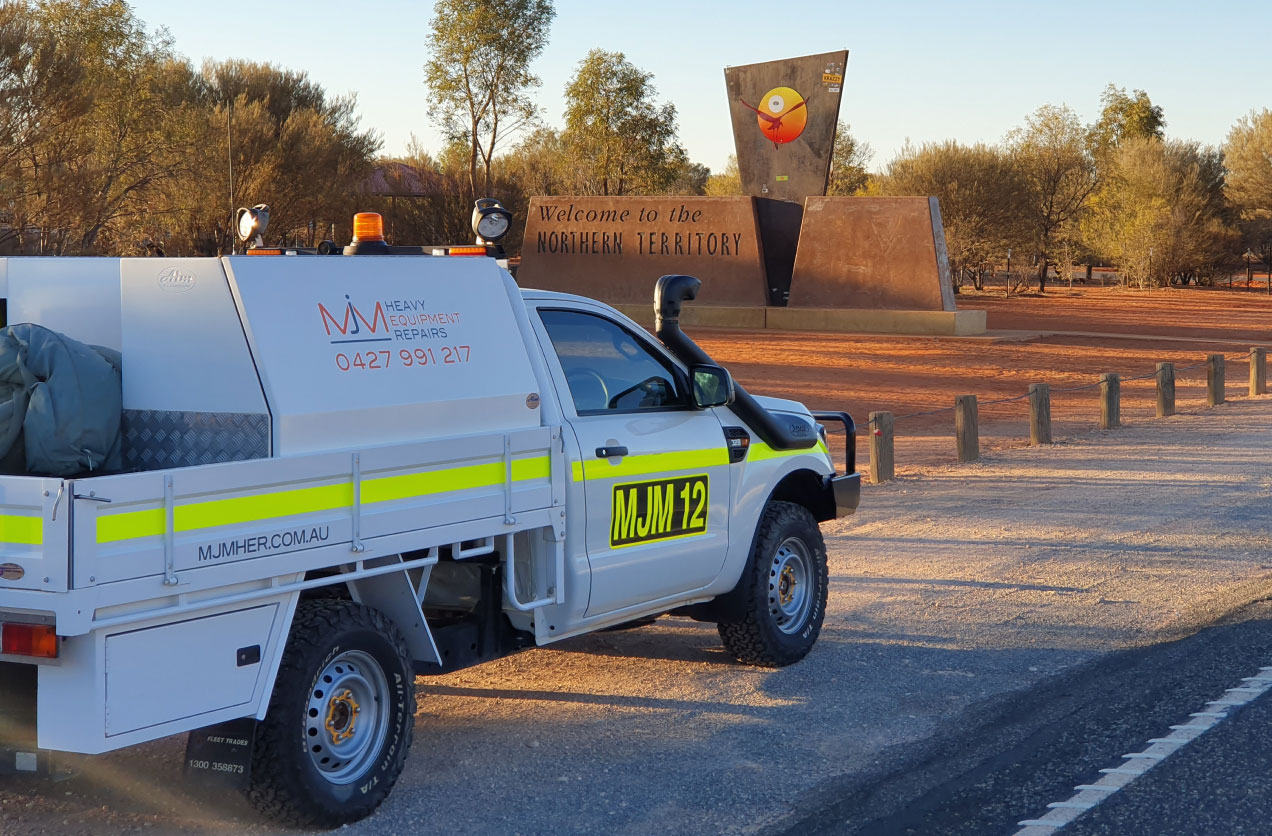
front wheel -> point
(783, 590)
(340, 718)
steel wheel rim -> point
(790, 585)
(347, 716)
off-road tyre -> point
(287, 784)
(766, 635)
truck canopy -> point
(227, 359)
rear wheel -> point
(783, 590)
(340, 718)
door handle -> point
(611, 452)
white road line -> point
(1135, 764)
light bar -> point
(37, 640)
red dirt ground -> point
(903, 375)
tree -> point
(90, 157)
(1248, 155)
(727, 182)
(424, 199)
(108, 139)
(1051, 153)
(621, 140)
(40, 93)
(1125, 117)
(691, 179)
(479, 72)
(980, 191)
(1156, 214)
(290, 144)
(537, 165)
(848, 161)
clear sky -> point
(924, 71)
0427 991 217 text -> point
(378, 360)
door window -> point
(608, 368)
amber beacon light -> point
(368, 235)
(368, 226)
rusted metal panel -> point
(872, 252)
(615, 248)
(784, 116)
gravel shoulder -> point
(948, 591)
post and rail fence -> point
(967, 418)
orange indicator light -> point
(28, 640)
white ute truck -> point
(344, 471)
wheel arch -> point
(801, 486)
(808, 488)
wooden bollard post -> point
(1039, 414)
(966, 428)
(1165, 389)
(882, 467)
(1110, 401)
(1258, 371)
(1214, 380)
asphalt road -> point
(1220, 786)
(996, 634)
(1039, 744)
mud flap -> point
(220, 756)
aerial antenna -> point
(229, 162)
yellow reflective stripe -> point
(409, 485)
(658, 540)
(129, 525)
(244, 509)
(652, 463)
(28, 531)
(655, 463)
(761, 451)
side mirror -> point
(712, 386)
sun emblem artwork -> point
(781, 115)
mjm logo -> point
(662, 509)
(353, 326)
(175, 280)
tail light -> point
(37, 640)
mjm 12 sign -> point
(661, 509)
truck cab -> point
(673, 492)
